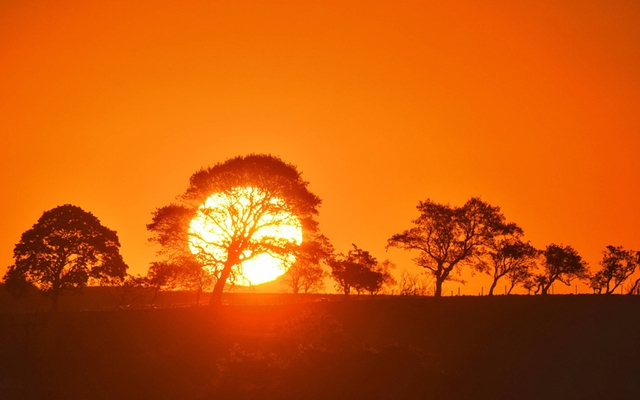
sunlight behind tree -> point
(223, 217)
(248, 209)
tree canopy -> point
(66, 249)
(357, 270)
(448, 237)
(617, 265)
(561, 263)
(508, 256)
(258, 192)
(306, 274)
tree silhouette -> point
(561, 263)
(130, 289)
(415, 284)
(510, 257)
(306, 274)
(66, 249)
(448, 237)
(388, 281)
(193, 277)
(162, 275)
(522, 272)
(254, 187)
(618, 265)
(357, 270)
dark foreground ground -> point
(507, 347)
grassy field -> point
(505, 347)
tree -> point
(449, 237)
(618, 265)
(305, 277)
(388, 281)
(64, 250)
(131, 288)
(415, 284)
(307, 274)
(561, 263)
(522, 273)
(259, 192)
(193, 277)
(162, 275)
(357, 270)
(508, 256)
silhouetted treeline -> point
(68, 248)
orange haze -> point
(532, 105)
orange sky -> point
(111, 106)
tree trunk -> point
(545, 288)
(438, 290)
(493, 286)
(198, 292)
(216, 295)
(635, 285)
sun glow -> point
(225, 217)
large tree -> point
(617, 265)
(66, 249)
(561, 263)
(448, 237)
(255, 194)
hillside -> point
(505, 347)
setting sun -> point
(224, 216)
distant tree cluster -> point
(476, 235)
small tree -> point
(449, 237)
(131, 288)
(357, 271)
(306, 274)
(162, 275)
(522, 273)
(618, 265)
(63, 250)
(305, 277)
(193, 277)
(508, 256)
(388, 281)
(561, 263)
(415, 284)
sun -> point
(248, 213)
